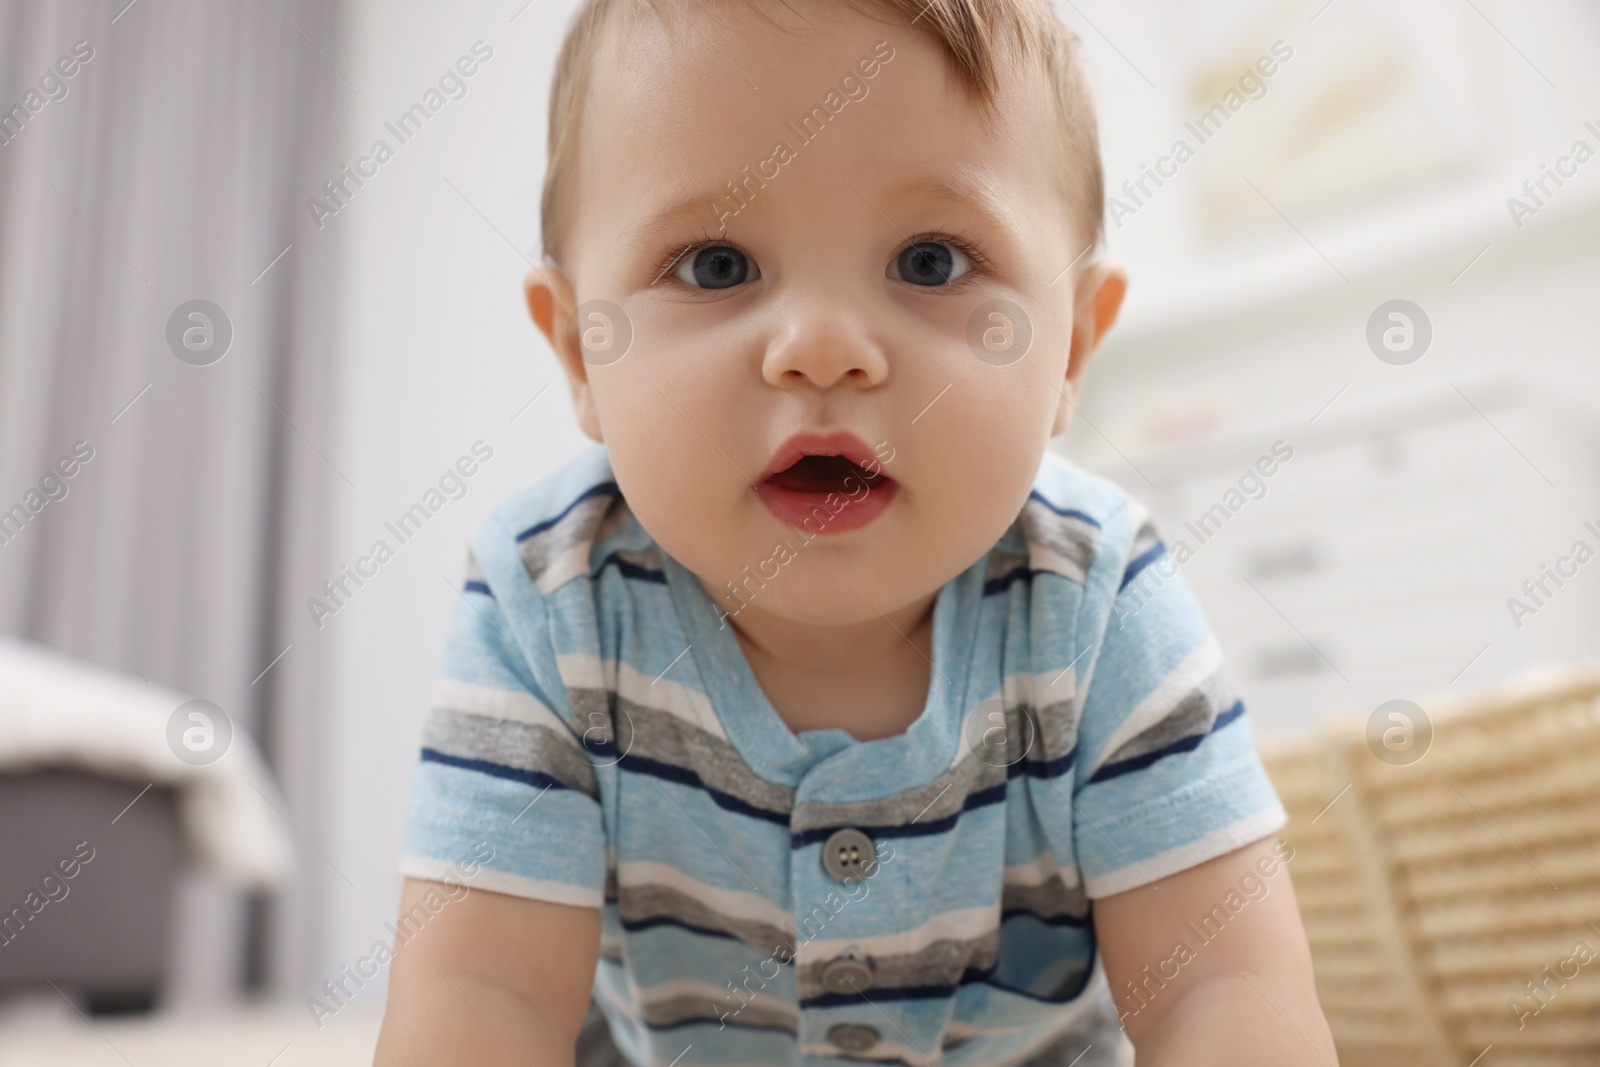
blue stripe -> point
(1147, 557)
(631, 570)
(602, 489)
(1070, 513)
(475, 586)
(1077, 922)
(671, 772)
(1185, 744)
(494, 770)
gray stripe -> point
(1070, 538)
(1143, 539)
(1052, 899)
(675, 1010)
(1002, 564)
(940, 963)
(668, 739)
(646, 901)
(575, 530)
(1032, 736)
(511, 744)
(1193, 714)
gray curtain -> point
(173, 165)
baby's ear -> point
(550, 304)
(1096, 300)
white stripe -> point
(961, 924)
(720, 995)
(437, 870)
(1217, 843)
(505, 704)
(1196, 667)
(881, 1052)
(1044, 868)
(731, 903)
(1016, 689)
(581, 670)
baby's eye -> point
(716, 267)
(930, 263)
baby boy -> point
(795, 720)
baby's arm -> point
(492, 979)
(1247, 996)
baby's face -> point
(850, 293)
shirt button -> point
(847, 975)
(847, 853)
(853, 1037)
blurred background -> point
(239, 346)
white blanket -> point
(56, 711)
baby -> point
(803, 720)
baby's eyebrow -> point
(971, 194)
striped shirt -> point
(772, 897)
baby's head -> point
(873, 221)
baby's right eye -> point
(716, 267)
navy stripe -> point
(971, 976)
(1184, 744)
(999, 585)
(671, 772)
(683, 776)
(667, 920)
(1070, 513)
(631, 570)
(494, 770)
(1077, 922)
(730, 1019)
(603, 489)
(995, 794)
(475, 586)
(1147, 557)
(1051, 768)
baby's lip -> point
(839, 443)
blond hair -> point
(973, 33)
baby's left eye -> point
(930, 263)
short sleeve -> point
(504, 796)
(1167, 775)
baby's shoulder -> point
(1078, 524)
(566, 525)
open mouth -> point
(826, 474)
(831, 494)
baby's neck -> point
(870, 679)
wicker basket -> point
(1453, 903)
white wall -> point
(439, 351)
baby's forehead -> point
(794, 116)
